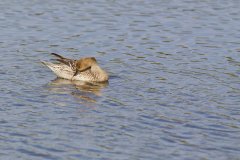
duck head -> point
(85, 63)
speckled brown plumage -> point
(84, 69)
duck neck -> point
(99, 73)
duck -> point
(84, 69)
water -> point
(174, 88)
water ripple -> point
(173, 90)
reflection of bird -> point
(85, 87)
(84, 69)
(86, 91)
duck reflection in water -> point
(86, 91)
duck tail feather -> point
(59, 56)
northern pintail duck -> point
(84, 69)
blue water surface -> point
(174, 88)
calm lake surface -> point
(174, 88)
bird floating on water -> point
(84, 69)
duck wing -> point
(69, 62)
